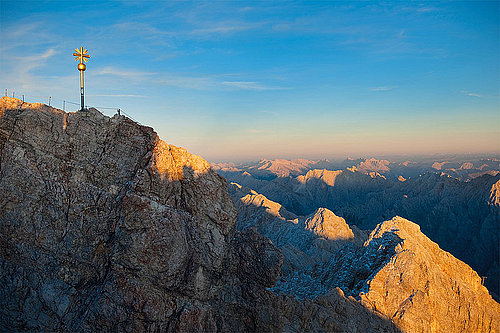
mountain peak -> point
(420, 284)
(323, 222)
(373, 165)
(107, 216)
(397, 225)
(495, 194)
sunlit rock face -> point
(269, 169)
(398, 271)
(426, 289)
(325, 223)
(495, 195)
(374, 165)
(401, 273)
(304, 240)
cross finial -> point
(81, 55)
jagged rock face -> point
(426, 289)
(331, 313)
(495, 194)
(462, 217)
(327, 176)
(398, 272)
(462, 168)
(243, 306)
(372, 164)
(285, 168)
(304, 240)
(104, 227)
(249, 309)
(401, 273)
(103, 224)
(323, 222)
(269, 169)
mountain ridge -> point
(396, 270)
(461, 216)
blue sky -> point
(236, 80)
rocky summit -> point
(105, 227)
(404, 275)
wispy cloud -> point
(18, 71)
(140, 28)
(383, 88)
(426, 9)
(250, 85)
(227, 27)
(246, 9)
(472, 94)
(27, 63)
(28, 35)
(109, 70)
(186, 82)
(117, 95)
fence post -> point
(49, 99)
(12, 94)
(23, 98)
(64, 105)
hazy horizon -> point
(389, 157)
(240, 81)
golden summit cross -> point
(82, 56)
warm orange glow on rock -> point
(171, 162)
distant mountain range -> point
(456, 203)
(459, 167)
(395, 269)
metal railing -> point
(65, 104)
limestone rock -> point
(371, 164)
(325, 223)
(402, 274)
(332, 313)
(495, 194)
(304, 240)
(426, 289)
(104, 226)
(461, 216)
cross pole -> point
(82, 56)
